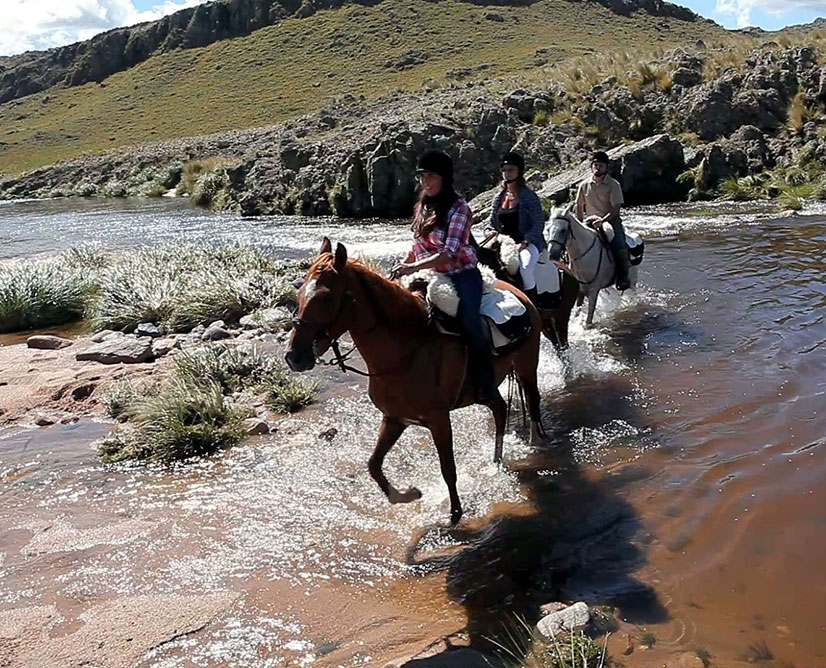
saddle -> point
(503, 316)
(548, 276)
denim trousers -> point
(468, 284)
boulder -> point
(102, 335)
(164, 346)
(48, 342)
(216, 332)
(572, 618)
(255, 426)
(148, 329)
(269, 318)
(119, 350)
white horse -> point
(589, 257)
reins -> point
(584, 253)
(341, 359)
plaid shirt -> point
(451, 239)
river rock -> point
(255, 426)
(102, 335)
(268, 318)
(572, 618)
(148, 329)
(216, 332)
(126, 350)
(164, 346)
(48, 342)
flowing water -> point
(682, 481)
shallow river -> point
(682, 482)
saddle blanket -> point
(547, 274)
(504, 316)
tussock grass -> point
(191, 414)
(175, 286)
(36, 294)
(524, 647)
(182, 286)
(181, 421)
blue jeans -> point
(468, 286)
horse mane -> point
(397, 304)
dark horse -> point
(554, 320)
(417, 375)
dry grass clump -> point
(182, 286)
(524, 647)
(36, 294)
(192, 414)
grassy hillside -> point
(300, 65)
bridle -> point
(571, 260)
(324, 331)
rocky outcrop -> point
(117, 350)
(204, 24)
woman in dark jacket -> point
(517, 213)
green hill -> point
(300, 65)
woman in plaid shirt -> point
(441, 229)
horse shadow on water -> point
(582, 540)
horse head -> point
(559, 229)
(323, 303)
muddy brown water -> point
(682, 483)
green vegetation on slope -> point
(301, 65)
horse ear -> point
(341, 257)
(326, 246)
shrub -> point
(190, 416)
(39, 294)
(181, 421)
(192, 171)
(524, 647)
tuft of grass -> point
(182, 421)
(40, 294)
(286, 394)
(541, 117)
(704, 655)
(648, 639)
(757, 652)
(183, 286)
(190, 415)
(799, 112)
(120, 398)
(524, 647)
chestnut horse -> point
(417, 375)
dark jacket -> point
(531, 217)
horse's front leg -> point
(443, 439)
(592, 307)
(389, 433)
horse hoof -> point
(455, 516)
(404, 495)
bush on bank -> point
(193, 414)
(40, 294)
(175, 286)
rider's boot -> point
(623, 264)
(487, 391)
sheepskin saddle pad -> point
(548, 276)
(503, 315)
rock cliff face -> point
(121, 48)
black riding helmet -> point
(600, 156)
(438, 163)
(512, 158)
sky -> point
(42, 24)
